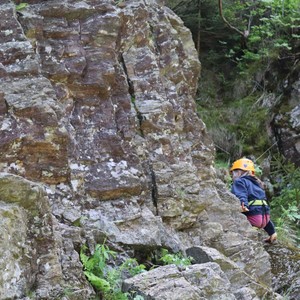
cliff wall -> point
(100, 139)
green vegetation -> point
(241, 90)
(285, 204)
(95, 266)
(237, 129)
(106, 276)
(177, 259)
(21, 6)
(272, 33)
(236, 61)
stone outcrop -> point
(285, 263)
(203, 280)
(100, 139)
(200, 281)
(281, 97)
(30, 245)
(286, 121)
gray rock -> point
(205, 281)
(100, 140)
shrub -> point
(177, 259)
(104, 278)
(285, 204)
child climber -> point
(250, 191)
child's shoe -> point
(272, 238)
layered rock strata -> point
(100, 139)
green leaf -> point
(255, 38)
(21, 6)
(91, 263)
(178, 259)
(99, 283)
(282, 45)
(83, 257)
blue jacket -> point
(246, 188)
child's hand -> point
(244, 208)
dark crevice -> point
(4, 107)
(153, 36)
(154, 191)
(132, 95)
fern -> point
(177, 259)
(97, 282)
(103, 278)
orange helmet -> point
(243, 164)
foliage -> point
(132, 267)
(177, 259)
(230, 107)
(237, 129)
(221, 164)
(223, 172)
(21, 6)
(286, 204)
(95, 266)
(104, 278)
(273, 29)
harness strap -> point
(257, 203)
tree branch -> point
(243, 34)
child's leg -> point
(270, 228)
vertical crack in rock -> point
(132, 95)
(154, 191)
(4, 107)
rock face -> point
(285, 262)
(196, 282)
(100, 139)
(286, 122)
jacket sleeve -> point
(239, 189)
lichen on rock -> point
(100, 139)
